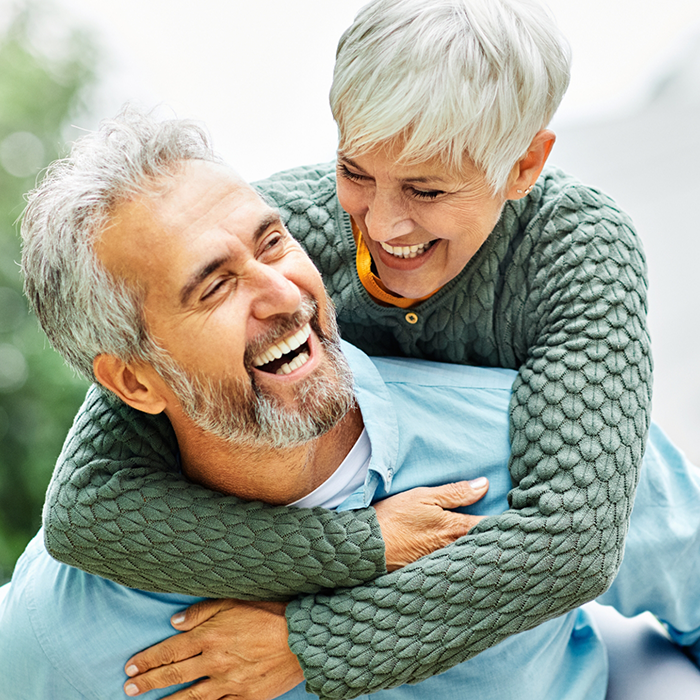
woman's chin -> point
(410, 284)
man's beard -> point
(243, 413)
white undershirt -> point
(344, 481)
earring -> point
(527, 191)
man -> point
(222, 286)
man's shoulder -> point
(55, 616)
(426, 373)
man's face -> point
(250, 339)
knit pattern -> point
(558, 292)
(118, 509)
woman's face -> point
(421, 223)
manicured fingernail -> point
(178, 619)
(131, 670)
(131, 690)
(478, 483)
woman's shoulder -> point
(563, 226)
(562, 197)
(310, 184)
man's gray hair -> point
(83, 309)
(454, 78)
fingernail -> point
(178, 619)
(478, 483)
(131, 690)
(131, 670)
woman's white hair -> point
(452, 78)
(83, 309)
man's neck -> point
(276, 476)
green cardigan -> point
(558, 292)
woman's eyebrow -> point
(435, 179)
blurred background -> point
(257, 74)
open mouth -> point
(285, 355)
(407, 251)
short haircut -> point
(454, 78)
(82, 308)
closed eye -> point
(425, 194)
(218, 286)
(348, 174)
(271, 242)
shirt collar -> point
(379, 416)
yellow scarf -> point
(374, 286)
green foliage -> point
(40, 91)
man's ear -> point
(136, 384)
(529, 167)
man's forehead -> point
(201, 199)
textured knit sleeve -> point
(116, 507)
(579, 420)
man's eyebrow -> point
(270, 219)
(201, 275)
(198, 277)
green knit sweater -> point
(558, 292)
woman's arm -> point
(579, 421)
(118, 508)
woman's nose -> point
(386, 218)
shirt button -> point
(412, 318)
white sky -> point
(258, 72)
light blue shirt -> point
(66, 634)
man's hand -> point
(239, 649)
(415, 523)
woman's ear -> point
(136, 384)
(529, 167)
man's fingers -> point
(459, 493)
(164, 676)
(169, 651)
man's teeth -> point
(283, 347)
(405, 251)
(301, 359)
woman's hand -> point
(415, 523)
(238, 648)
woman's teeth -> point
(406, 251)
(284, 347)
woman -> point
(439, 236)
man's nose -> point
(387, 217)
(274, 293)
